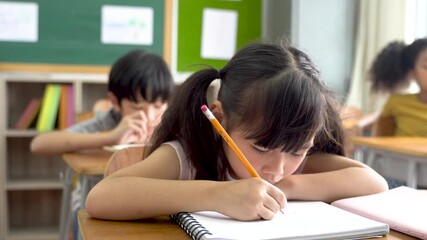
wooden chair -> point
(356, 123)
(384, 126)
(123, 158)
(102, 104)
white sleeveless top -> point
(187, 170)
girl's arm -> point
(149, 188)
(328, 177)
(59, 142)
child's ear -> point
(114, 101)
(216, 109)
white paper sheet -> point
(19, 21)
(219, 33)
(127, 25)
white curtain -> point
(416, 20)
(380, 22)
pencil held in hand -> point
(229, 141)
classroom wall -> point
(276, 19)
(326, 31)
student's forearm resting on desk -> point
(330, 177)
(142, 191)
(137, 198)
(59, 142)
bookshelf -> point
(30, 186)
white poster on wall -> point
(19, 21)
(127, 25)
(219, 33)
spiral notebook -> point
(300, 220)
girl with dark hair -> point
(280, 115)
(394, 68)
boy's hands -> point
(134, 128)
(249, 199)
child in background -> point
(139, 87)
(393, 69)
(274, 106)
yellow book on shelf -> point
(49, 108)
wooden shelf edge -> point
(21, 133)
(67, 68)
(43, 233)
(33, 184)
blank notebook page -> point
(403, 208)
(301, 220)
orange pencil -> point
(229, 141)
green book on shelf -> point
(49, 108)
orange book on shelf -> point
(66, 107)
(70, 106)
(62, 115)
(29, 114)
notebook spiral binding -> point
(194, 229)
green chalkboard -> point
(70, 33)
(190, 15)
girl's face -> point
(271, 164)
(419, 73)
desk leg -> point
(87, 181)
(370, 157)
(411, 180)
(64, 227)
(359, 154)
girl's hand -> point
(131, 129)
(249, 199)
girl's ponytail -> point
(387, 72)
(184, 120)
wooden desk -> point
(155, 229)
(413, 150)
(90, 166)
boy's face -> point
(152, 111)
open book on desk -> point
(403, 208)
(300, 220)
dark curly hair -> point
(391, 66)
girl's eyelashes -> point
(298, 154)
(301, 152)
(259, 149)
